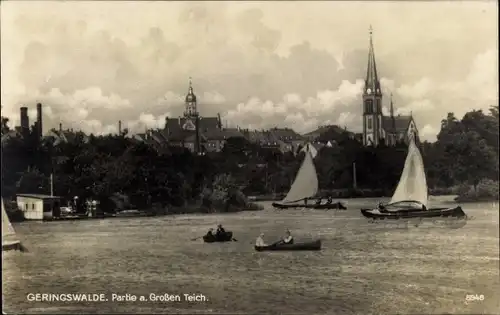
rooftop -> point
(38, 196)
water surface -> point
(363, 268)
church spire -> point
(372, 84)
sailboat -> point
(10, 241)
(304, 187)
(410, 197)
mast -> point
(354, 179)
(51, 184)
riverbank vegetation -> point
(172, 179)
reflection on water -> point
(363, 268)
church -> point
(378, 128)
(198, 134)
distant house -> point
(65, 136)
(328, 133)
(38, 206)
(11, 134)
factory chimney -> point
(39, 119)
(119, 127)
(25, 121)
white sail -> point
(305, 184)
(9, 237)
(311, 149)
(412, 184)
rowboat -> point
(314, 245)
(226, 237)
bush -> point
(486, 190)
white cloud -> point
(428, 131)
(258, 64)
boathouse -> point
(39, 207)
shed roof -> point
(38, 196)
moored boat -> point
(305, 187)
(305, 246)
(225, 237)
(10, 240)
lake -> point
(363, 268)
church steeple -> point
(191, 109)
(373, 128)
(372, 84)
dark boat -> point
(335, 205)
(226, 237)
(315, 245)
(411, 209)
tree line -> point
(466, 151)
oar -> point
(194, 239)
(234, 240)
(22, 248)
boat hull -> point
(308, 246)
(226, 237)
(456, 212)
(332, 206)
(12, 246)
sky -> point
(258, 64)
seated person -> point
(210, 232)
(318, 202)
(260, 241)
(329, 200)
(220, 230)
(288, 239)
(382, 208)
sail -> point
(305, 184)
(412, 184)
(9, 237)
(311, 149)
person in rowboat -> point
(260, 241)
(220, 230)
(210, 232)
(288, 239)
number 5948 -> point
(474, 297)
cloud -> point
(257, 64)
(328, 106)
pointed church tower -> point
(372, 102)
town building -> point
(378, 128)
(61, 135)
(39, 207)
(195, 132)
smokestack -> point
(119, 127)
(39, 119)
(25, 120)
(60, 126)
